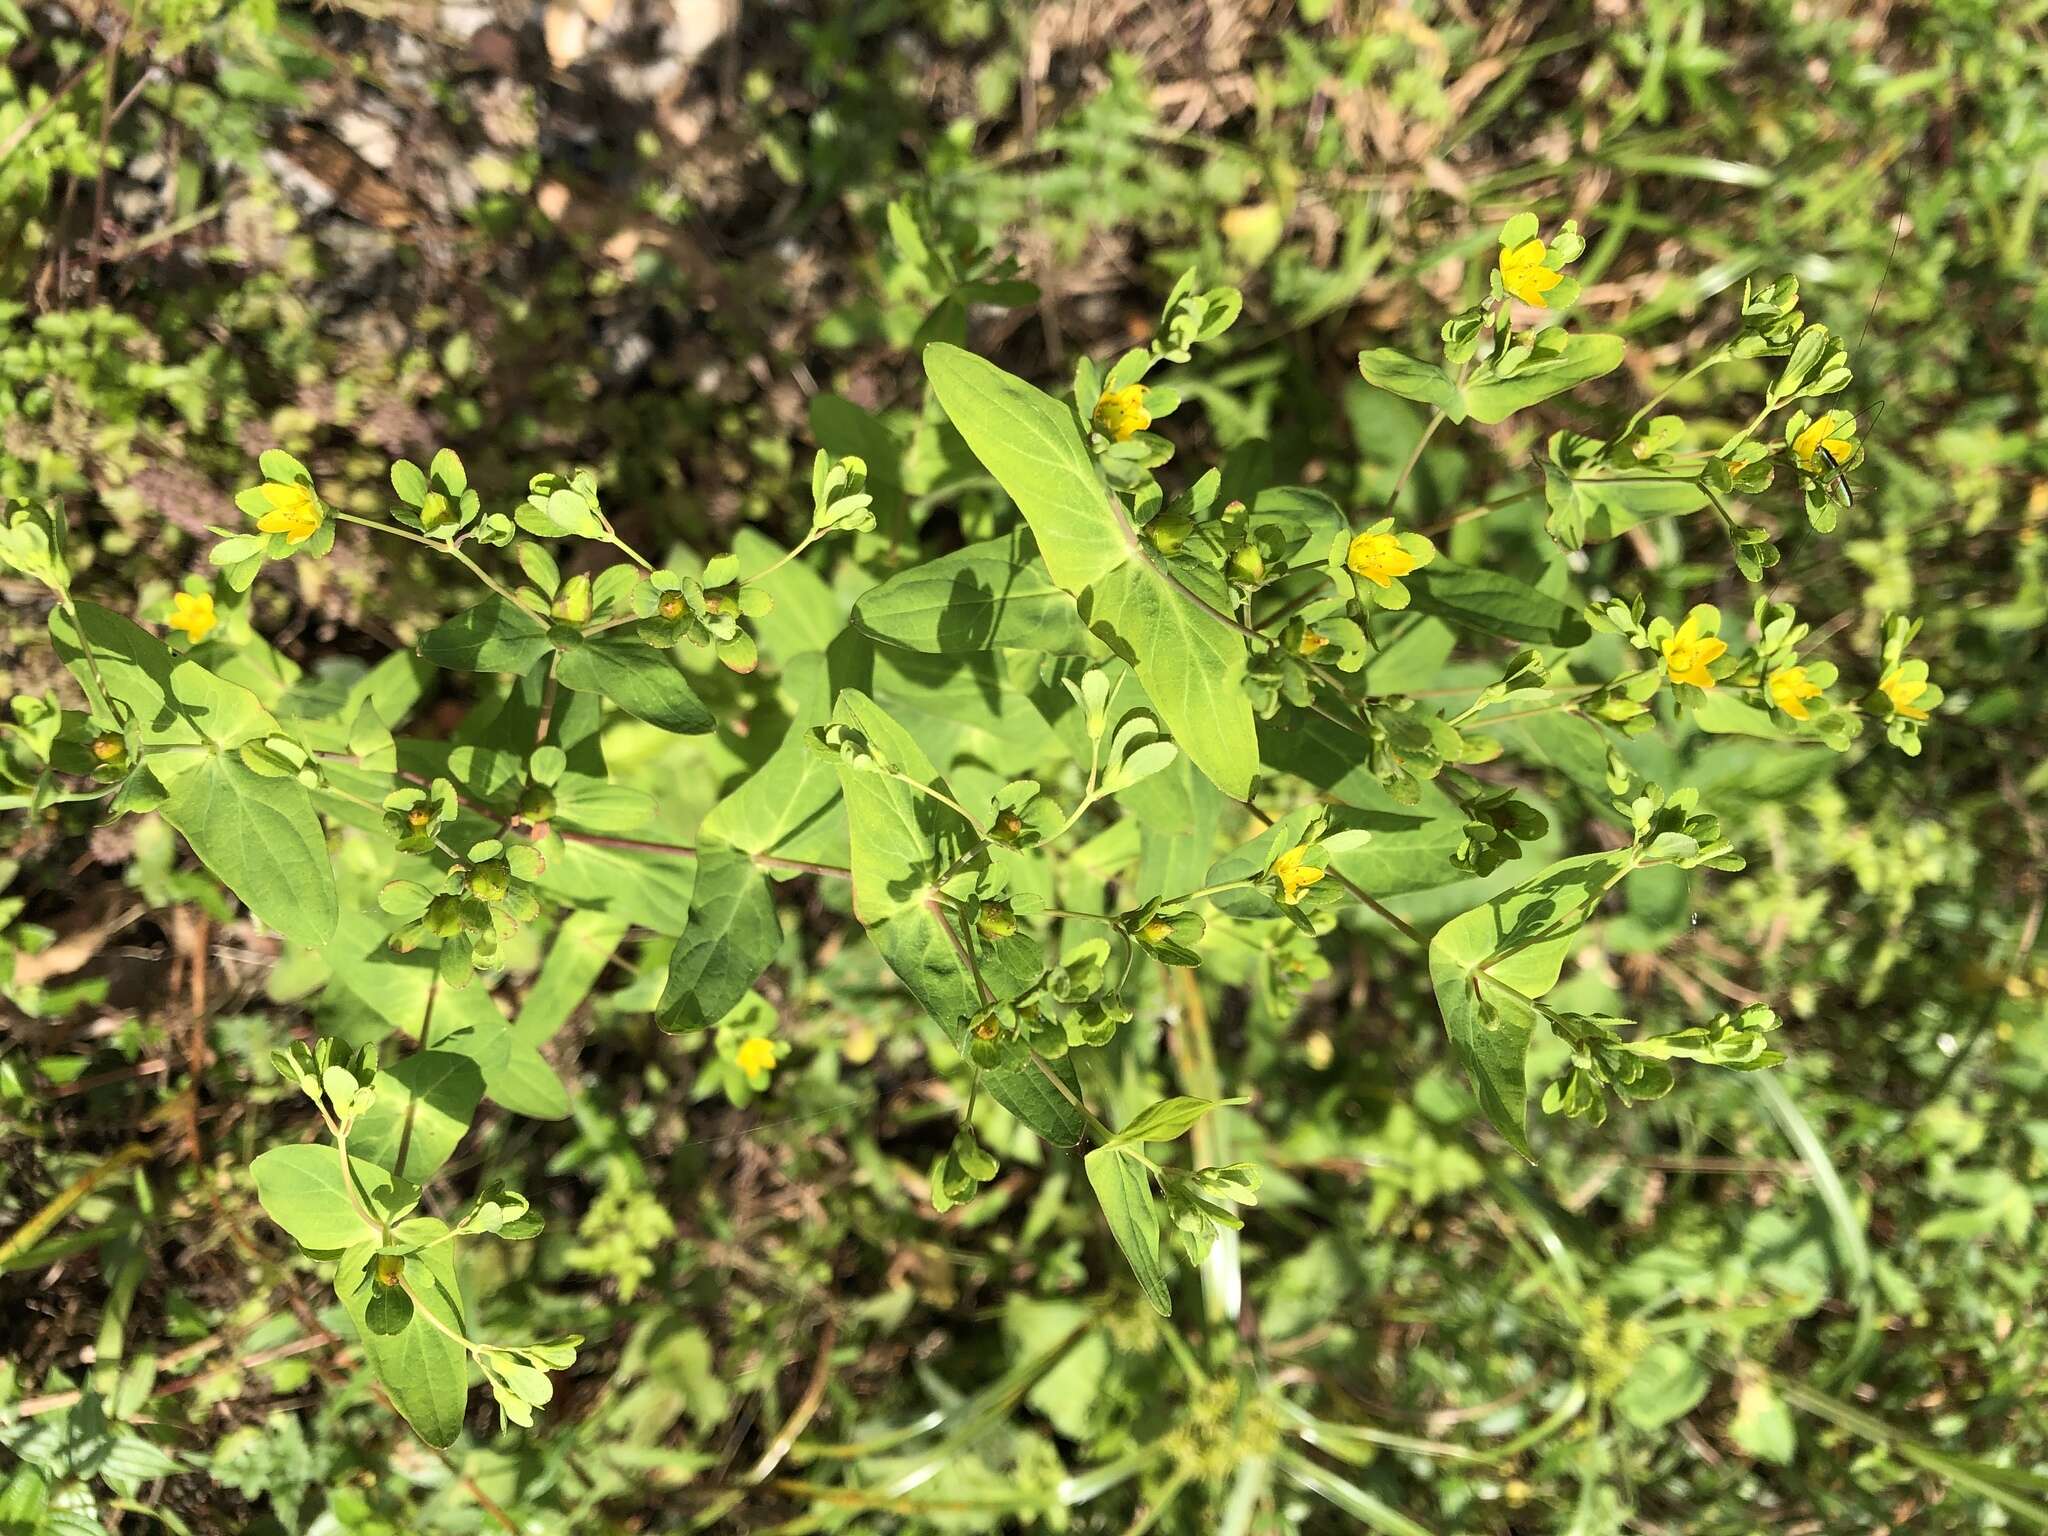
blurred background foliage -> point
(651, 236)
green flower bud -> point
(995, 920)
(1169, 531)
(490, 880)
(443, 917)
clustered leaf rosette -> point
(1117, 409)
(332, 1076)
(438, 500)
(1497, 824)
(290, 520)
(704, 611)
(1672, 829)
(1904, 698)
(1602, 1059)
(1168, 936)
(1369, 566)
(482, 901)
(1024, 815)
(1284, 673)
(959, 1172)
(562, 507)
(1193, 1210)
(1078, 999)
(32, 543)
(840, 502)
(415, 816)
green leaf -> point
(731, 937)
(1173, 626)
(424, 1370)
(301, 1189)
(494, 636)
(1666, 1384)
(171, 701)
(1494, 604)
(1124, 1187)
(640, 679)
(1166, 1120)
(583, 946)
(1399, 374)
(1583, 358)
(1508, 953)
(900, 840)
(515, 1073)
(790, 807)
(424, 1103)
(995, 593)
(261, 839)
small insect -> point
(1838, 479)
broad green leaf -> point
(424, 1370)
(1166, 1120)
(900, 840)
(731, 937)
(515, 1074)
(423, 1107)
(1615, 506)
(583, 946)
(640, 679)
(1124, 1187)
(995, 593)
(1399, 374)
(650, 889)
(260, 838)
(790, 807)
(301, 1189)
(1494, 604)
(1666, 1384)
(1583, 358)
(1173, 625)
(172, 701)
(1509, 953)
(494, 636)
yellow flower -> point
(1790, 688)
(1294, 876)
(294, 511)
(193, 613)
(1902, 691)
(1523, 274)
(1379, 558)
(1121, 412)
(756, 1056)
(1688, 652)
(1809, 445)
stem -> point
(1436, 419)
(356, 1197)
(1096, 1128)
(437, 545)
(1655, 400)
(802, 544)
